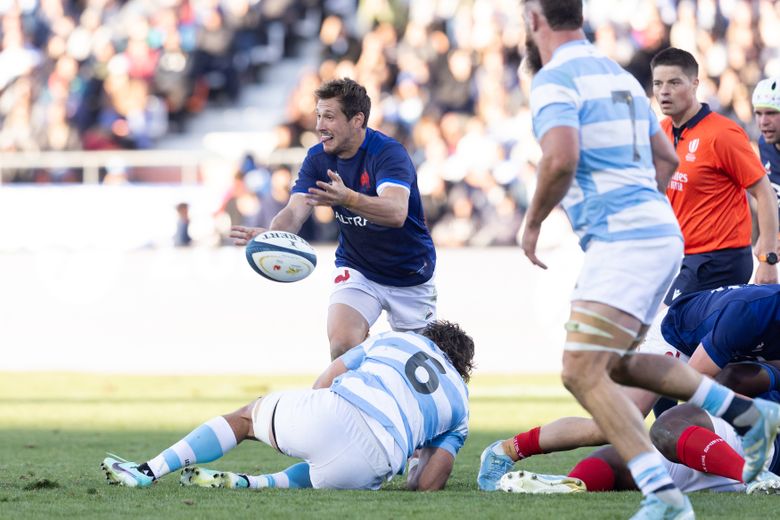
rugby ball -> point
(281, 256)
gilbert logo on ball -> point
(281, 256)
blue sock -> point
(652, 478)
(209, 441)
(722, 402)
(296, 476)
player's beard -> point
(532, 61)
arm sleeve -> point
(452, 440)
(354, 357)
(655, 126)
(394, 168)
(736, 157)
(307, 175)
(734, 334)
(554, 102)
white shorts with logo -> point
(689, 480)
(408, 308)
(630, 275)
(655, 343)
(330, 434)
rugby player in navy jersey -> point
(766, 105)
(385, 257)
(709, 330)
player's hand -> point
(528, 243)
(333, 193)
(241, 234)
(766, 274)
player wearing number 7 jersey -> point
(369, 412)
(606, 160)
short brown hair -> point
(675, 57)
(562, 15)
(352, 96)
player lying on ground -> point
(370, 410)
(707, 329)
(701, 452)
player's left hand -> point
(528, 243)
(766, 274)
(333, 193)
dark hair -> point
(562, 15)
(676, 58)
(352, 95)
(454, 342)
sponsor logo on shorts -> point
(342, 277)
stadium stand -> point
(107, 74)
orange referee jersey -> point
(708, 191)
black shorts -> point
(706, 271)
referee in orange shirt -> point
(707, 193)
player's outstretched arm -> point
(432, 471)
(289, 219)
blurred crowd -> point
(444, 76)
(445, 79)
(116, 74)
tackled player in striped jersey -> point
(396, 397)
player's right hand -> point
(242, 234)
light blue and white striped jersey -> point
(408, 385)
(614, 195)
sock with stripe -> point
(703, 450)
(208, 442)
(722, 402)
(527, 444)
(296, 476)
(596, 473)
(652, 478)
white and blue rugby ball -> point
(281, 256)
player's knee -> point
(582, 371)
(667, 429)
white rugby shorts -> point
(408, 308)
(630, 275)
(331, 435)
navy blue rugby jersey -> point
(734, 323)
(399, 257)
(770, 158)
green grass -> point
(56, 428)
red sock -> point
(703, 450)
(527, 444)
(595, 473)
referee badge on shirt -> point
(692, 147)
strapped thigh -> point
(263, 417)
(589, 331)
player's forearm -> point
(290, 218)
(554, 181)
(665, 160)
(433, 470)
(387, 212)
(766, 209)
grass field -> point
(56, 428)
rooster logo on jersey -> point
(365, 182)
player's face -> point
(532, 60)
(768, 120)
(674, 90)
(338, 135)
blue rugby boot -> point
(653, 508)
(492, 467)
(121, 472)
(758, 441)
